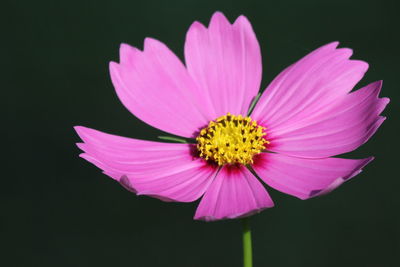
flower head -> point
(305, 116)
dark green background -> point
(58, 210)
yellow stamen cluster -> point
(231, 139)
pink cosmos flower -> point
(307, 115)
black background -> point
(58, 210)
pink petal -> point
(225, 61)
(234, 193)
(305, 178)
(311, 84)
(338, 128)
(162, 170)
(155, 86)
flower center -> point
(231, 139)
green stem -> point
(247, 249)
